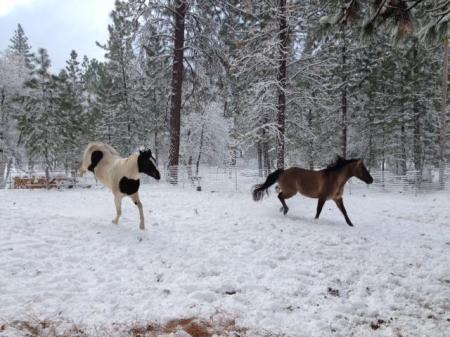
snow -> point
(205, 253)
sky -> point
(58, 26)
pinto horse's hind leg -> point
(118, 201)
(138, 203)
(340, 205)
(319, 207)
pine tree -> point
(121, 67)
(72, 119)
(15, 70)
(39, 124)
(20, 47)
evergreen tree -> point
(40, 122)
(19, 46)
(72, 119)
(121, 67)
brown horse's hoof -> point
(284, 210)
(350, 224)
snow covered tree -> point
(40, 120)
(121, 67)
(11, 82)
(15, 67)
(72, 118)
(20, 48)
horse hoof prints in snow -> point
(324, 185)
(120, 175)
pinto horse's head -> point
(146, 164)
(360, 171)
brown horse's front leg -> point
(319, 207)
(340, 205)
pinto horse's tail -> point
(259, 189)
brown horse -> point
(323, 185)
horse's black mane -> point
(339, 163)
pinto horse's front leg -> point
(138, 203)
(118, 201)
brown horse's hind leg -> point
(319, 207)
(283, 196)
(340, 205)
(283, 209)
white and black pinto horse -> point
(120, 175)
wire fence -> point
(227, 179)
(241, 179)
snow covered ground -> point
(207, 254)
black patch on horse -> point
(128, 186)
(96, 156)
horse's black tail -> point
(258, 190)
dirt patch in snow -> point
(186, 327)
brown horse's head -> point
(360, 171)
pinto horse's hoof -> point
(115, 222)
(142, 227)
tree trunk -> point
(156, 147)
(403, 149)
(443, 128)
(417, 140)
(265, 148)
(8, 171)
(344, 94)
(3, 165)
(310, 141)
(177, 82)
(402, 121)
(281, 82)
(266, 159)
(260, 161)
(197, 164)
(369, 158)
(189, 169)
(125, 98)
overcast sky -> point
(58, 26)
